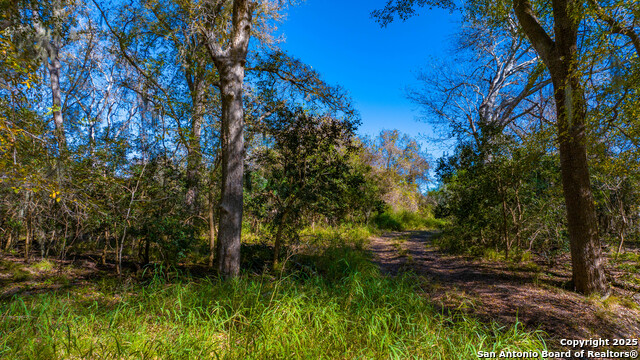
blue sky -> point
(340, 40)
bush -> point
(388, 221)
(406, 220)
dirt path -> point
(502, 292)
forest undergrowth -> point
(331, 302)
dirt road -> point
(528, 293)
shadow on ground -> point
(507, 294)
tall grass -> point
(345, 234)
(337, 306)
(406, 220)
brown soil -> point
(529, 294)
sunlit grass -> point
(406, 220)
(332, 305)
(345, 234)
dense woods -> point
(133, 141)
(214, 179)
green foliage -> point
(305, 173)
(160, 225)
(15, 272)
(398, 168)
(504, 196)
(406, 220)
(388, 221)
(405, 9)
(507, 197)
(130, 185)
(44, 265)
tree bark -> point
(51, 44)
(586, 257)
(278, 241)
(27, 241)
(103, 259)
(230, 64)
(53, 66)
(505, 223)
(194, 153)
(230, 228)
(8, 244)
(118, 257)
(212, 232)
(560, 57)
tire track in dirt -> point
(505, 293)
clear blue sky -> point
(340, 40)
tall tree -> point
(560, 56)
(306, 169)
(488, 89)
(400, 168)
(52, 23)
(230, 59)
(172, 21)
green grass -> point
(347, 234)
(629, 263)
(406, 220)
(626, 256)
(43, 265)
(14, 270)
(333, 305)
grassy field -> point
(331, 304)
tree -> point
(52, 24)
(306, 169)
(622, 23)
(493, 101)
(230, 63)
(488, 89)
(400, 166)
(19, 135)
(228, 46)
(561, 58)
(190, 54)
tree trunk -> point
(116, 255)
(587, 262)
(230, 64)
(53, 66)
(145, 125)
(517, 219)
(560, 57)
(8, 244)
(230, 228)
(103, 259)
(621, 236)
(212, 232)
(27, 241)
(194, 155)
(505, 226)
(278, 240)
(147, 245)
